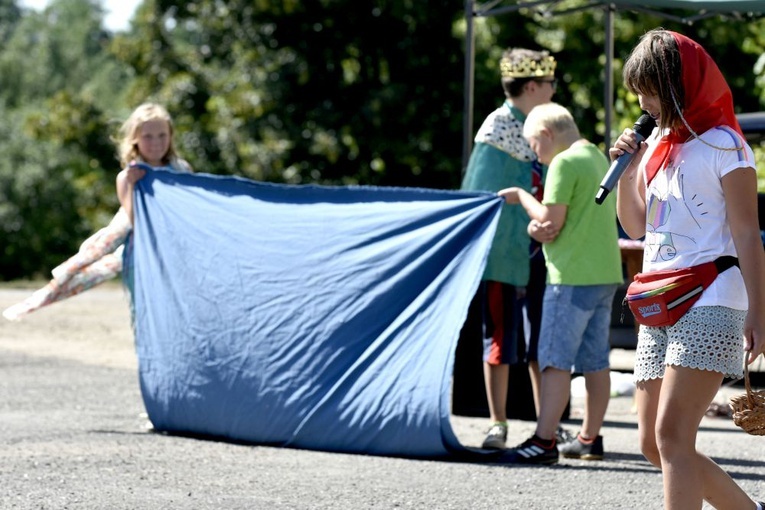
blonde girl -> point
(145, 137)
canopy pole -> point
(467, 119)
(608, 85)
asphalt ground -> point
(74, 435)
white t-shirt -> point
(686, 219)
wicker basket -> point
(749, 408)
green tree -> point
(168, 71)
(39, 218)
(55, 188)
(297, 91)
(10, 14)
(307, 91)
(577, 40)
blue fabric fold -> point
(313, 317)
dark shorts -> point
(507, 317)
(532, 307)
(502, 323)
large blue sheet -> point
(314, 317)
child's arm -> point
(553, 213)
(630, 192)
(740, 191)
(126, 180)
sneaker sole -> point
(547, 462)
(588, 456)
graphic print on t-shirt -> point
(661, 243)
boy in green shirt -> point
(584, 271)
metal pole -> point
(467, 120)
(608, 99)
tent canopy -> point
(663, 8)
(726, 6)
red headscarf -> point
(708, 101)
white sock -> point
(759, 506)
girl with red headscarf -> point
(691, 190)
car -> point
(623, 333)
(753, 126)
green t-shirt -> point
(586, 252)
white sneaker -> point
(496, 438)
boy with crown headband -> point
(500, 159)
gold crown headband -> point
(528, 68)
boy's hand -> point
(543, 232)
(510, 195)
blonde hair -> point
(550, 116)
(130, 130)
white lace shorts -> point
(706, 337)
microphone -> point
(642, 128)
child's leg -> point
(690, 477)
(103, 242)
(598, 385)
(647, 403)
(593, 358)
(672, 400)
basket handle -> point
(748, 385)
